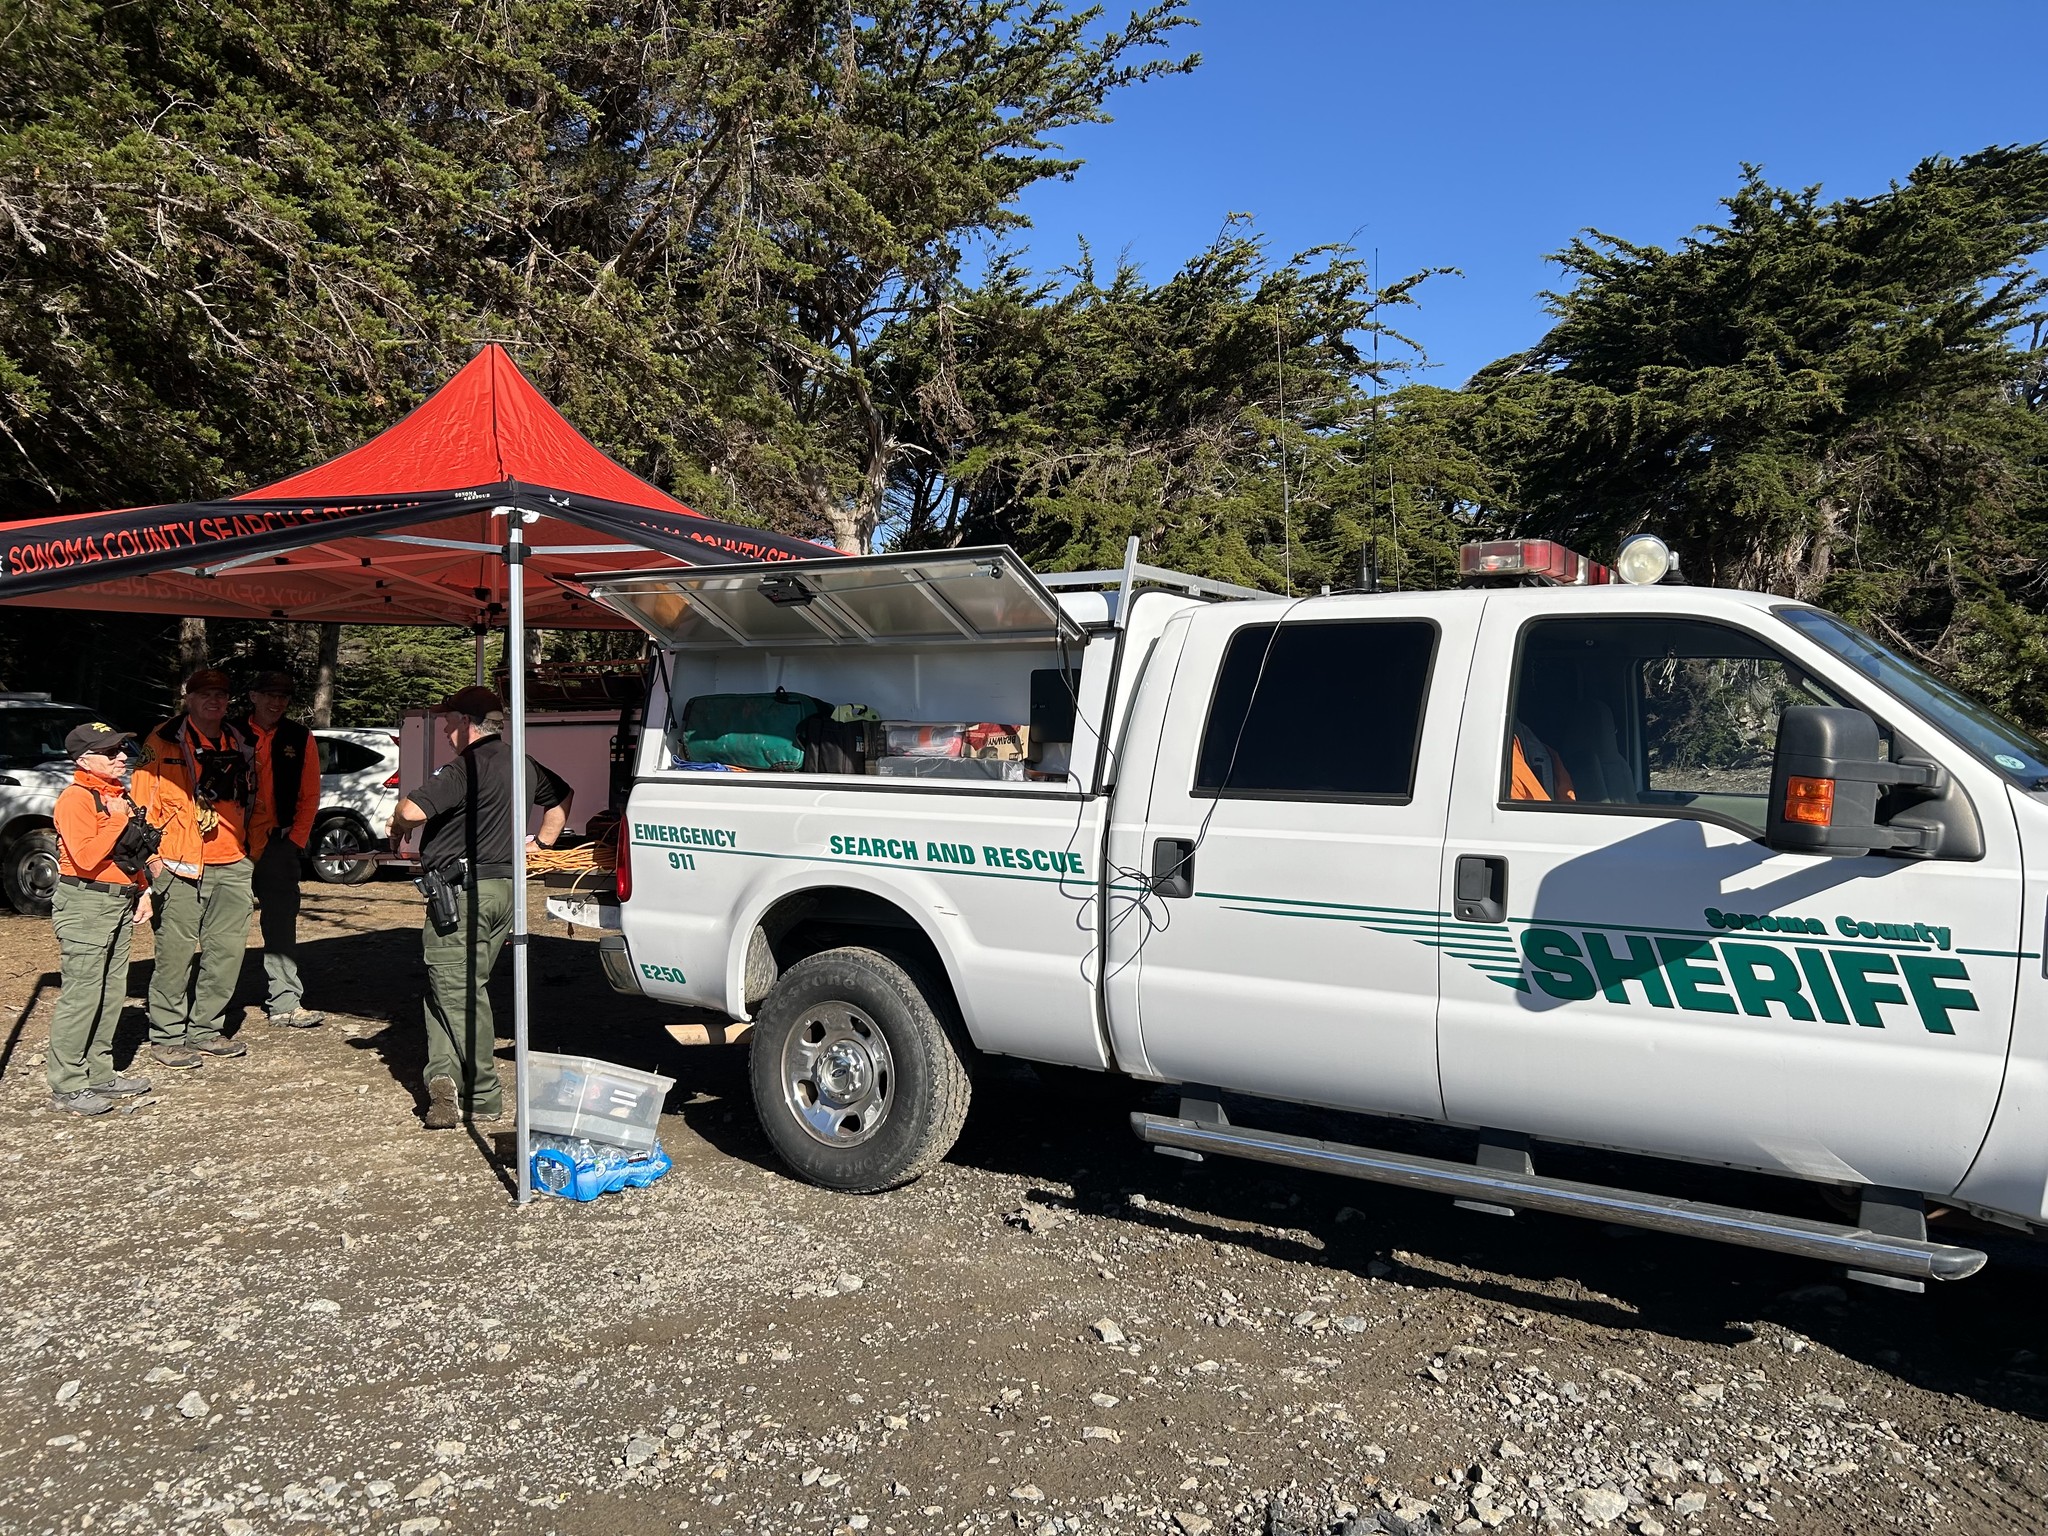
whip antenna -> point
(1286, 502)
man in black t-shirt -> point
(471, 839)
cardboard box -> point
(1001, 743)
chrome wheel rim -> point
(838, 1077)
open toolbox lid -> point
(937, 596)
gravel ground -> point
(266, 1301)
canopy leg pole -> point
(515, 668)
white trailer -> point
(576, 743)
(1695, 874)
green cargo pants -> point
(461, 1038)
(92, 941)
(276, 883)
(202, 931)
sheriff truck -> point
(1570, 854)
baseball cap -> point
(272, 682)
(474, 701)
(93, 736)
(208, 677)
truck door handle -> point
(1480, 889)
(1173, 866)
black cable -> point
(1162, 920)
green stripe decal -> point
(1493, 951)
(1082, 882)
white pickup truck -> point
(1698, 874)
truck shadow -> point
(1690, 874)
(1963, 1338)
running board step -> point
(1854, 1246)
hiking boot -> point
(444, 1113)
(221, 1046)
(123, 1088)
(299, 1018)
(83, 1102)
(180, 1055)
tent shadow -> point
(375, 975)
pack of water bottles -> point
(577, 1168)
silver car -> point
(33, 769)
(358, 792)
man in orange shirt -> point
(195, 786)
(97, 901)
(287, 795)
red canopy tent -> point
(426, 523)
(407, 529)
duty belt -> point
(119, 887)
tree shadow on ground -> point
(131, 1036)
(1970, 1338)
(47, 983)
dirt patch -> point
(267, 1301)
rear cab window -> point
(1326, 710)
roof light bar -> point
(1523, 562)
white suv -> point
(33, 769)
(358, 792)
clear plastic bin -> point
(578, 1096)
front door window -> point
(1670, 715)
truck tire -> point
(857, 1078)
(332, 837)
(28, 871)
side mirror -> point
(1826, 777)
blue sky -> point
(1484, 135)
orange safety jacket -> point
(163, 786)
(1524, 785)
(86, 832)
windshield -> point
(36, 735)
(2001, 744)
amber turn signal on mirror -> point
(1810, 802)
